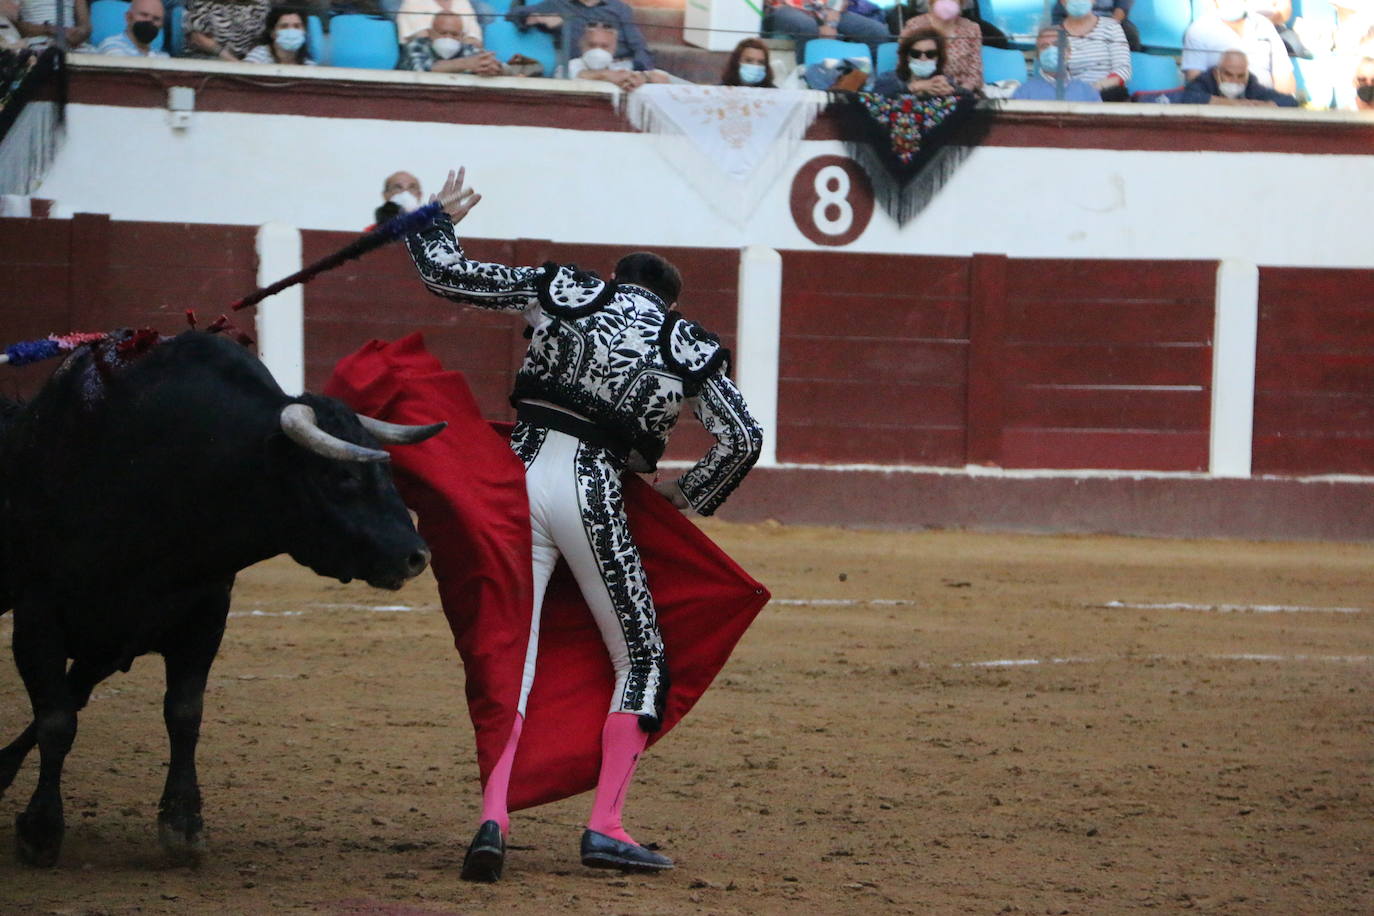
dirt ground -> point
(919, 723)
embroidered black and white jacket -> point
(611, 353)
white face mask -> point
(405, 200)
(1232, 90)
(597, 58)
(446, 47)
(922, 69)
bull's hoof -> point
(38, 841)
(182, 839)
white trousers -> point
(577, 512)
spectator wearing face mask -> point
(597, 60)
(1230, 82)
(416, 17)
(920, 68)
(748, 66)
(575, 16)
(1099, 54)
(1043, 86)
(1232, 26)
(1364, 84)
(400, 194)
(283, 39)
(963, 42)
(445, 50)
(142, 25)
(1107, 9)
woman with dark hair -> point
(748, 66)
(920, 67)
(283, 39)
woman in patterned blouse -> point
(226, 29)
(963, 42)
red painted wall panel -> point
(1314, 379)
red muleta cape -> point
(468, 489)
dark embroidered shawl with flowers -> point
(903, 143)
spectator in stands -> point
(554, 15)
(920, 69)
(597, 60)
(963, 42)
(1042, 86)
(803, 20)
(1099, 54)
(1279, 12)
(1232, 26)
(142, 25)
(283, 39)
(748, 66)
(445, 50)
(400, 194)
(38, 21)
(224, 29)
(1230, 82)
(1108, 9)
(1364, 85)
(416, 17)
(900, 14)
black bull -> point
(132, 491)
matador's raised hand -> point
(457, 200)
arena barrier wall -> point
(1025, 394)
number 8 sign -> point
(831, 200)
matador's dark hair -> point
(646, 269)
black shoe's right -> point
(601, 851)
(486, 854)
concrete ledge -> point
(1158, 505)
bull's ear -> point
(398, 433)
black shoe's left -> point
(486, 854)
(601, 851)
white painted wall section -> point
(281, 318)
(759, 336)
(1233, 368)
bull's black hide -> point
(131, 493)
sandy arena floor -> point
(919, 723)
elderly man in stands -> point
(1043, 87)
(443, 49)
(416, 17)
(1230, 82)
(1364, 84)
(142, 25)
(568, 19)
(598, 60)
(1233, 26)
(38, 21)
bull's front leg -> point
(40, 654)
(189, 655)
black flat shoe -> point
(486, 854)
(601, 851)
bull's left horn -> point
(399, 433)
(298, 422)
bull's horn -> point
(399, 433)
(298, 422)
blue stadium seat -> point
(500, 7)
(819, 49)
(316, 44)
(364, 42)
(175, 31)
(1163, 22)
(1003, 64)
(887, 57)
(1153, 73)
(504, 38)
(107, 18)
(1016, 18)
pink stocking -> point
(498, 781)
(622, 741)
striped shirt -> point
(44, 12)
(235, 26)
(122, 45)
(1100, 53)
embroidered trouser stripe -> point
(577, 512)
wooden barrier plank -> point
(1154, 321)
(1066, 279)
(1145, 364)
(1336, 373)
(845, 403)
(875, 274)
(1313, 413)
(1287, 453)
(830, 314)
(871, 445)
(876, 362)
(986, 366)
(1105, 449)
(1107, 408)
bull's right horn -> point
(399, 433)
(298, 422)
